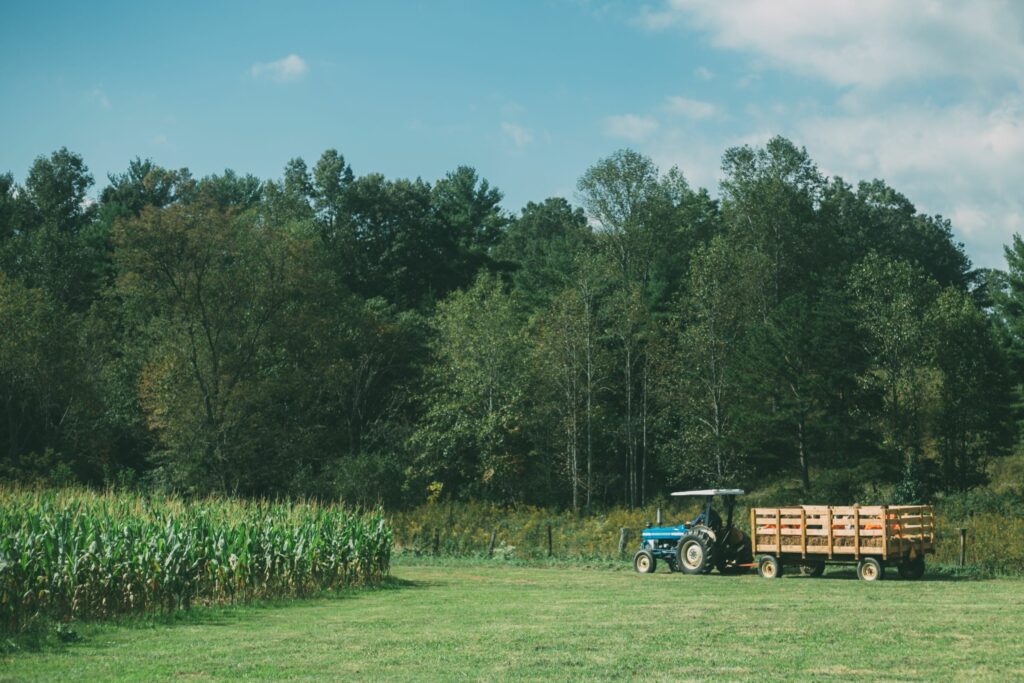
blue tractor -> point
(700, 545)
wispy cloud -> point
(693, 109)
(630, 127)
(285, 70)
(703, 73)
(159, 140)
(861, 42)
(100, 98)
(519, 135)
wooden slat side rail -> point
(803, 533)
(828, 526)
(753, 530)
(778, 529)
(866, 510)
(885, 535)
(856, 533)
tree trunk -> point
(802, 447)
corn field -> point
(77, 554)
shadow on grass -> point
(891, 575)
(49, 635)
(841, 573)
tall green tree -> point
(973, 421)
(57, 244)
(541, 248)
(893, 300)
(41, 393)
(623, 195)
(471, 440)
(210, 290)
(706, 403)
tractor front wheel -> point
(769, 567)
(695, 554)
(644, 562)
(870, 569)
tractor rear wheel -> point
(769, 567)
(644, 562)
(912, 570)
(695, 553)
(870, 569)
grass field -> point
(485, 622)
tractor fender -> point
(706, 530)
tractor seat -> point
(714, 521)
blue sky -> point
(926, 95)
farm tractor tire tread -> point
(696, 552)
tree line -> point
(352, 336)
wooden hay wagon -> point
(872, 537)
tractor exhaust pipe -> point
(659, 516)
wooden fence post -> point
(437, 541)
(963, 546)
(490, 546)
(623, 537)
(549, 539)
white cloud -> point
(285, 70)
(862, 42)
(693, 109)
(630, 127)
(100, 98)
(961, 161)
(928, 96)
(703, 73)
(519, 135)
(160, 139)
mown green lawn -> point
(482, 622)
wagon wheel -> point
(738, 561)
(813, 569)
(870, 569)
(912, 570)
(769, 567)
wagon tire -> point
(870, 569)
(911, 570)
(644, 562)
(769, 567)
(813, 569)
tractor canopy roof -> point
(710, 492)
